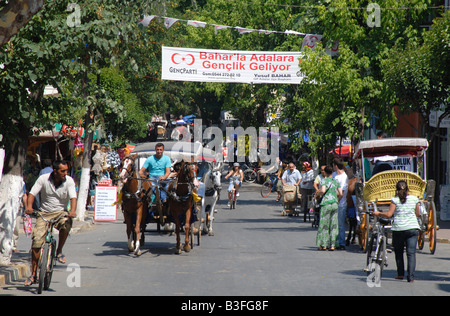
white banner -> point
(206, 65)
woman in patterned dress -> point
(328, 226)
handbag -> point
(27, 225)
(317, 200)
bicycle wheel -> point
(266, 188)
(250, 175)
(51, 264)
(43, 265)
(381, 255)
(370, 250)
(376, 261)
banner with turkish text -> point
(208, 65)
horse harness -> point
(142, 194)
(190, 184)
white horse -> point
(212, 186)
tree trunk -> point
(16, 14)
(11, 193)
(83, 191)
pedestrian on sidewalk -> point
(340, 175)
(306, 187)
(19, 216)
(405, 229)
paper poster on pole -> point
(211, 65)
(104, 208)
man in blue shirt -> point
(291, 176)
(158, 168)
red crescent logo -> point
(173, 60)
(192, 58)
(312, 40)
(187, 59)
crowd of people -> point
(333, 193)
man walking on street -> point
(291, 176)
(56, 190)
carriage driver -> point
(158, 168)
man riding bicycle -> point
(158, 168)
(56, 190)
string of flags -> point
(309, 40)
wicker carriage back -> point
(381, 186)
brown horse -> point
(181, 201)
(135, 196)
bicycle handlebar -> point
(35, 213)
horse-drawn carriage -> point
(395, 159)
(141, 197)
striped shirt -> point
(405, 214)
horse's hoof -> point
(187, 248)
(211, 233)
(178, 251)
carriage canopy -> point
(396, 146)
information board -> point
(104, 208)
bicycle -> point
(47, 259)
(376, 251)
(233, 199)
(268, 185)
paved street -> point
(255, 252)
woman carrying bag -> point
(328, 230)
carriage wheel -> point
(191, 237)
(432, 227)
(420, 241)
(364, 227)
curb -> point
(20, 268)
(14, 273)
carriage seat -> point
(382, 186)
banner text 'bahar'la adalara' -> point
(207, 65)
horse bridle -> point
(129, 173)
(186, 173)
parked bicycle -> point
(269, 185)
(250, 173)
(376, 251)
(47, 260)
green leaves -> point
(416, 71)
